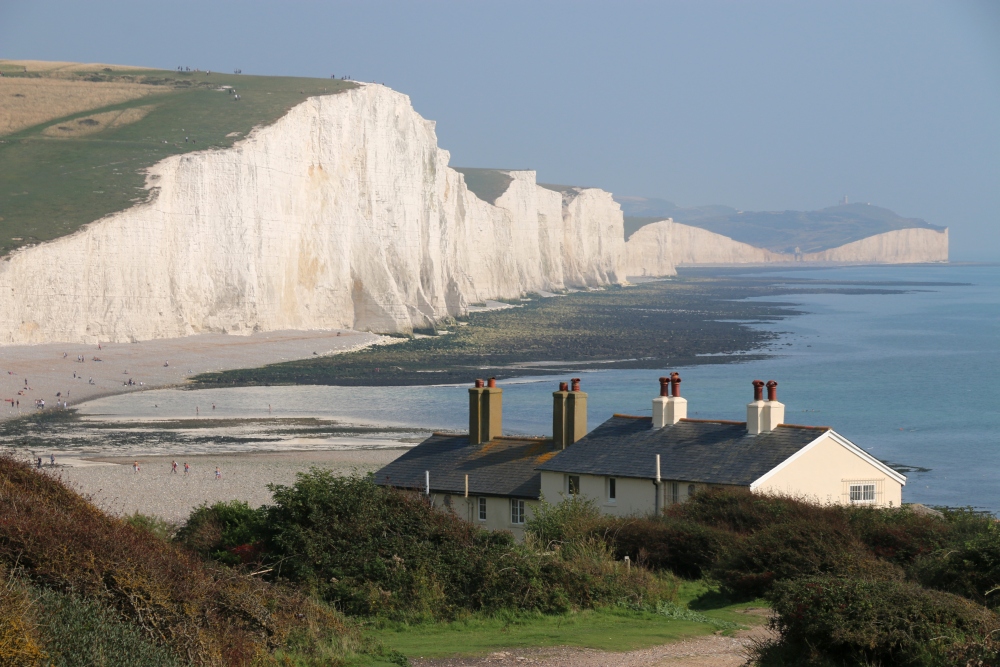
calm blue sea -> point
(913, 378)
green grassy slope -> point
(780, 231)
(51, 186)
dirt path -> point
(710, 651)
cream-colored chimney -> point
(774, 412)
(660, 403)
(576, 413)
(755, 409)
(559, 404)
(485, 412)
(677, 408)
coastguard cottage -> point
(634, 465)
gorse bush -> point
(831, 620)
(20, 644)
(202, 613)
(376, 551)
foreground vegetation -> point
(54, 181)
(243, 586)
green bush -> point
(373, 550)
(970, 568)
(897, 535)
(78, 633)
(161, 528)
(227, 531)
(750, 565)
(840, 621)
(683, 547)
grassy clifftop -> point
(75, 140)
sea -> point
(913, 377)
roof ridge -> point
(539, 438)
(816, 428)
(623, 416)
(449, 434)
(713, 421)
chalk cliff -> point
(658, 248)
(344, 213)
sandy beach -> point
(54, 373)
(113, 486)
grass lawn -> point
(608, 629)
(50, 186)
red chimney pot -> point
(564, 386)
(664, 386)
(675, 379)
(758, 390)
(772, 390)
(479, 384)
(576, 383)
(491, 383)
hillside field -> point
(75, 140)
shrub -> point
(897, 535)
(750, 565)
(373, 550)
(203, 614)
(20, 645)
(970, 568)
(154, 525)
(740, 511)
(829, 620)
(226, 531)
(683, 547)
(78, 633)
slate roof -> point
(692, 450)
(504, 466)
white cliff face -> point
(902, 246)
(342, 214)
(658, 248)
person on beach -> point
(218, 473)
(38, 463)
(135, 467)
(187, 468)
(173, 467)
(52, 459)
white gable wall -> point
(823, 471)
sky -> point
(756, 105)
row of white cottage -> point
(633, 465)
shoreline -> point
(52, 371)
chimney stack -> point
(660, 404)
(774, 412)
(485, 412)
(764, 416)
(669, 409)
(576, 413)
(559, 405)
(755, 409)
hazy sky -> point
(758, 105)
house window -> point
(573, 485)
(516, 511)
(675, 492)
(612, 495)
(482, 509)
(690, 490)
(863, 493)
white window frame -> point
(612, 490)
(863, 491)
(517, 511)
(482, 508)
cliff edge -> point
(342, 214)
